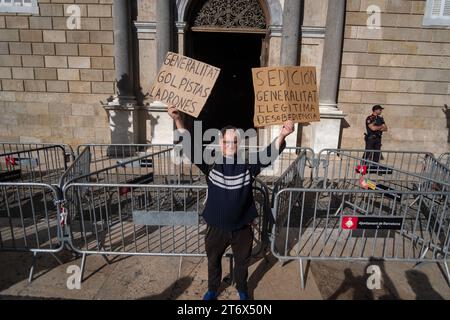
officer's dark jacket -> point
(378, 121)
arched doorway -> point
(228, 34)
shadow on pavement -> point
(356, 287)
(172, 292)
(265, 264)
(15, 266)
(421, 286)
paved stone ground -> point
(186, 278)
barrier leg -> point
(83, 264)
(341, 207)
(282, 262)
(302, 275)
(421, 257)
(447, 272)
(33, 263)
(56, 258)
(415, 200)
(106, 259)
(179, 267)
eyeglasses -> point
(229, 142)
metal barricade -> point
(136, 155)
(408, 161)
(296, 174)
(436, 172)
(140, 161)
(134, 209)
(43, 163)
(107, 155)
(445, 159)
(79, 167)
(29, 219)
(342, 169)
(331, 162)
(30, 199)
(294, 166)
(333, 224)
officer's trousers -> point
(373, 142)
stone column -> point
(332, 53)
(163, 29)
(161, 125)
(181, 28)
(326, 133)
(290, 43)
(290, 48)
(121, 108)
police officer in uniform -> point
(375, 126)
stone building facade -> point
(77, 71)
(405, 66)
(53, 77)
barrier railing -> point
(445, 159)
(30, 219)
(42, 163)
(334, 224)
(142, 200)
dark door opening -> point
(232, 100)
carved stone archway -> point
(219, 15)
(263, 17)
(274, 9)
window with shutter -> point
(437, 13)
(19, 6)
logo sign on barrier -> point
(25, 162)
(285, 93)
(185, 83)
(358, 222)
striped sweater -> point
(230, 204)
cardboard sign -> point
(185, 83)
(285, 93)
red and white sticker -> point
(361, 169)
(10, 160)
(124, 190)
(349, 223)
(63, 220)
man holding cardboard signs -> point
(185, 84)
(230, 208)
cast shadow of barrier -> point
(420, 284)
(359, 284)
(172, 292)
(265, 264)
(15, 266)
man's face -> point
(229, 143)
(378, 112)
